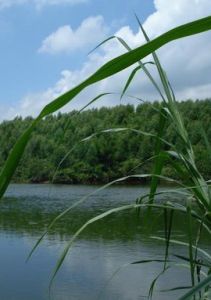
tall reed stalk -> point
(180, 156)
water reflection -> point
(98, 253)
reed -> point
(180, 156)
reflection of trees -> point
(32, 217)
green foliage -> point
(112, 67)
(107, 156)
(179, 152)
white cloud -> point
(65, 39)
(38, 3)
(186, 61)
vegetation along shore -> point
(58, 151)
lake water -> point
(97, 254)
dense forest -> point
(107, 155)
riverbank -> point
(105, 156)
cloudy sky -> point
(44, 46)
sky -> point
(45, 45)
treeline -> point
(106, 155)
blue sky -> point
(23, 27)
(44, 46)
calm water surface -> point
(99, 251)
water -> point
(102, 249)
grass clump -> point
(180, 156)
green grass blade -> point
(199, 287)
(159, 161)
(131, 77)
(206, 140)
(190, 237)
(197, 262)
(93, 220)
(168, 229)
(142, 65)
(110, 131)
(85, 106)
(14, 158)
(102, 216)
(129, 80)
(152, 286)
(103, 42)
(110, 68)
(144, 261)
(161, 72)
(176, 289)
(83, 199)
(203, 252)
